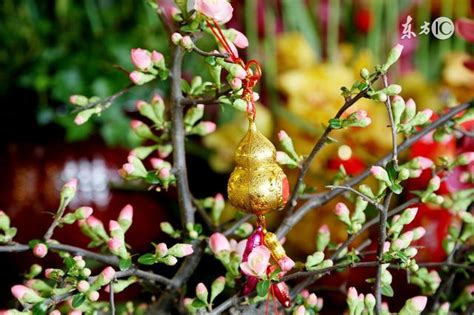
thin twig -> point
(111, 297)
(226, 304)
(177, 137)
(210, 53)
(57, 217)
(231, 229)
(381, 241)
(185, 101)
(204, 215)
(358, 193)
(105, 101)
(393, 128)
(466, 133)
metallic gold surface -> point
(274, 245)
(257, 184)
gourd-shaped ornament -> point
(258, 184)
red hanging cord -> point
(252, 68)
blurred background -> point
(308, 50)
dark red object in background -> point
(32, 176)
(363, 20)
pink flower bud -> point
(55, 312)
(114, 244)
(181, 250)
(434, 183)
(135, 124)
(341, 210)
(126, 213)
(71, 184)
(141, 58)
(139, 104)
(128, 168)
(73, 99)
(108, 273)
(235, 83)
(423, 162)
(324, 229)
(79, 120)
(161, 249)
(380, 173)
(83, 286)
(19, 291)
(282, 135)
(304, 293)
(418, 233)
(352, 294)
(312, 300)
(75, 312)
(84, 212)
(139, 78)
(466, 158)
(187, 301)
(209, 126)
(157, 98)
(411, 213)
(48, 272)
(398, 48)
(218, 243)
(187, 42)
(386, 247)
(300, 310)
(40, 250)
(93, 222)
(419, 302)
(164, 173)
(360, 114)
(93, 296)
(176, 38)
(157, 163)
(79, 261)
(427, 113)
(240, 40)
(286, 263)
(201, 291)
(444, 307)
(156, 57)
(114, 225)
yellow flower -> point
(293, 51)
(459, 79)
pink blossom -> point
(305, 293)
(126, 213)
(379, 172)
(419, 302)
(139, 104)
(341, 209)
(55, 312)
(128, 168)
(84, 212)
(219, 10)
(257, 262)
(465, 29)
(218, 243)
(361, 114)
(200, 288)
(386, 247)
(410, 105)
(427, 113)
(176, 38)
(141, 58)
(40, 250)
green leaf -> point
(69, 262)
(33, 243)
(392, 171)
(263, 287)
(124, 264)
(185, 86)
(335, 123)
(147, 259)
(152, 178)
(78, 300)
(387, 290)
(396, 188)
(197, 303)
(40, 309)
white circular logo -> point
(442, 27)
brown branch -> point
(393, 128)
(107, 100)
(358, 193)
(235, 225)
(186, 101)
(210, 53)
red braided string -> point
(252, 68)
